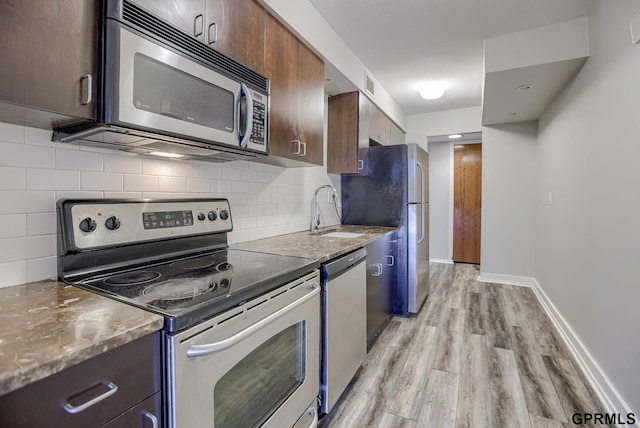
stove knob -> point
(112, 223)
(201, 217)
(224, 214)
(213, 216)
(88, 225)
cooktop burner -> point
(132, 278)
(201, 286)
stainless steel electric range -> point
(240, 326)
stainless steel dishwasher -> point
(344, 324)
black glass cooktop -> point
(190, 290)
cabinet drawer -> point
(147, 414)
(116, 381)
(382, 246)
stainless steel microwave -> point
(163, 92)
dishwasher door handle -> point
(210, 348)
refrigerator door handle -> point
(422, 181)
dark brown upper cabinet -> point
(348, 134)
(234, 27)
(297, 98)
(49, 67)
(355, 123)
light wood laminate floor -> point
(477, 355)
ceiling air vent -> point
(369, 85)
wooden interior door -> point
(467, 196)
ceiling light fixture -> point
(511, 113)
(524, 87)
(454, 136)
(432, 90)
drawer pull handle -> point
(376, 269)
(151, 417)
(391, 260)
(112, 389)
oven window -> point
(253, 389)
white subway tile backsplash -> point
(22, 202)
(38, 136)
(42, 268)
(11, 133)
(157, 167)
(172, 184)
(140, 183)
(210, 171)
(123, 195)
(198, 185)
(52, 179)
(70, 194)
(41, 224)
(256, 210)
(239, 211)
(26, 155)
(13, 225)
(12, 178)
(123, 163)
(183, 169)
(23, 248)
(73, 159)
(104, 181)
(230, 174)
(13, 273)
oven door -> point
(152, 88)
(255, 365)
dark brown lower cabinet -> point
(120, 388)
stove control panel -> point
(100, 223)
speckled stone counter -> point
(316, 246)
(47, 326)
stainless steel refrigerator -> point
(395, 192)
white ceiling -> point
(403, 42)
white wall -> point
(440, 215)
(588, 241)
(34, 173)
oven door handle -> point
(201, 350)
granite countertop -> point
(47, 326)
(316, 246)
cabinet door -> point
(348, 133)
(48, 52)
(282, 68)
(397, 135)
(90, 393)
(380, 126)
(236, 27)
(310, 104)
(187, 15)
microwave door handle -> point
(249, 113)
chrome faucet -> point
(315, 210)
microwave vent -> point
(187, 44)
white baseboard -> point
(444, 261)
(611, 399)
(523, 281)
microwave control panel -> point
(258, 134)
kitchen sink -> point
(341, 235)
